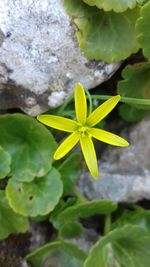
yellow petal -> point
(89, 154)
(59, 123)
(80, 103)
(67, 145)
(108, 137)
(102, 111)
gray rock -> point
(124, 172)
(24, 264)
(87, 239)
(38, 235)
(40, 60)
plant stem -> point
(107, 224)
(90, 101)
(128, 100)
(66, 102)
(79, 195)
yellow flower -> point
(82, 130)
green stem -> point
(107, 225)
(123, 99)
(90, 101)
(128, 100)
(79, 195)
(66, 102)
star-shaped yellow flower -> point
(82, 130)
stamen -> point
(83, 129)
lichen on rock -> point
(41, 57)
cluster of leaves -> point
(112, 31)
(109, 30)
(125, 243)
(136, 78)
(32, 188)
(29, 185)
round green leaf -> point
(38, 197)
(104, 35)
(142, 27)
(10, 222)
(30, 145)
(115, 5)
(136, 82)
(127, 246)
(5, 161)
(60, 253)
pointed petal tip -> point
(118, 97)
(125, 144)
(95, 176)
(56, 157)
(78, 84)
(38, 117)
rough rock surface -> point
(87, 239)
(40, 60)
(124, 172)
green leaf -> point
(69, 170)
(124, 247)
(142, 27)
(30, 145)
(71, 230)
(115, 5)
(58, 209)
(38, 197)
(136, 83)
(5, 161)
(10, 222)
(60, 253)
(86, 209)
(140, 218)
(104, 35)
(132, 114)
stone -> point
(39, 235)
(124, 172)
(86, 240)
(40, 60)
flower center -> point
(83, 129)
